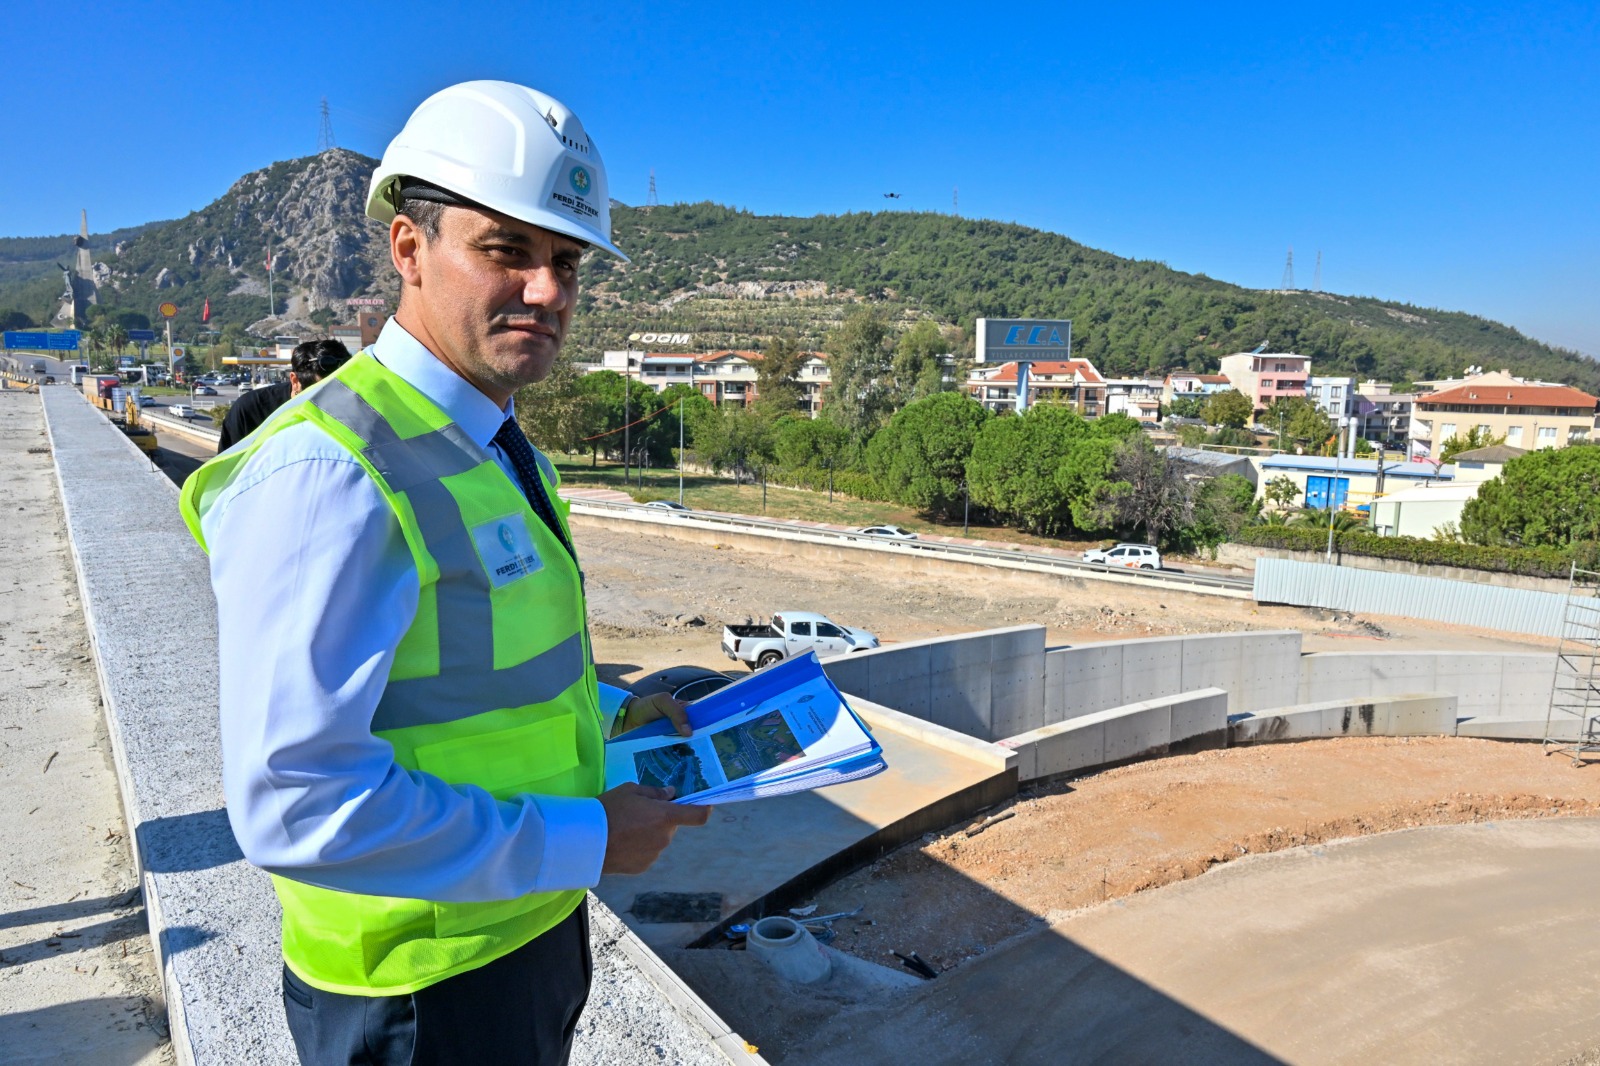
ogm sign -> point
(1004, 340)
(660, 338)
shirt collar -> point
(457, 397)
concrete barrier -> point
(1408, 715)
(1259, 669)
(1564, 728)
(1189, 721)
(213, 917)
(1508, 685)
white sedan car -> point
(667, 505)
(889, 532)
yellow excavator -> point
(134, 426)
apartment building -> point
(1527, 416)
(1267, 376)
(1070, 381)
(723, 377)
(1184, 385)
(1388, 419)
(1137, 398)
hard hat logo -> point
(580, 181)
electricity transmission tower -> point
(650, 198)
(325, 135)
(1316, 279)
(1288, 271)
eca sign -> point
(1004, 340)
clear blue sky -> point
(1444, 155)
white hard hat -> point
(505, 147)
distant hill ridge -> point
(735, 279)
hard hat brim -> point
(382, 206)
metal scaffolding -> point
(1572, 724)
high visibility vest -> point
(493, 685)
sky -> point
(1442, 155)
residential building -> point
(349, 336)
(1071, 381)
(1204, 464)
(1526, 416)
(1336, 396)
(724, 377)
(1184, 385)
(1388, 420)
(1137, 398)
(1267, 376)
(1345, 483)
(1485, 464)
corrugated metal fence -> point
(1345, 588)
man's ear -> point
(405, 249)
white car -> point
(667, 505)
(1135, 556)
(181, 410)
(890, 532)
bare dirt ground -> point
(77, 981)
(655, 601)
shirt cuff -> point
(611, 701)
(575, 832)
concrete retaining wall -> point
(987, 685)
(1408, 715)
(213, 917)
(1190, 721)
(1255, 669)
(1509, 685)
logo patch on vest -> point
(507, 550)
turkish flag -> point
(205, 316)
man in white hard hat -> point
(412, 729)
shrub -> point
(1529, 562)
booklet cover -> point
(780, 730)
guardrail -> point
(1010, 558)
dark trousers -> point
(519, 1010)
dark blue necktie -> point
(510, 440)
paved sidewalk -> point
(77, 981)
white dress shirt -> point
(315, 587)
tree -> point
(921, 455)
(1299, 421)
(918, 369)
(1185, 406)
(10, 319)
(1318, 518)
(811, 444)
(1476, 437)
(860, 396)
(1044, 470)
(1230, 408)
(1222, 506)
(1281, 491)
(778, 390)
(1549, 497)
(1148, 490)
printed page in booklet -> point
(784, 729)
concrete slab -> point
(1467, 944)
(768, 855)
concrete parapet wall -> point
(1249, 554)
(1185, 722)
(1408, 715)
(213, 917)
(1255, 669)
(1508, 685)
(987, 685)
(1563, 728)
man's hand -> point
(640, 822)
(646, 709)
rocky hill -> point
(735, 279)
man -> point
(412, 730)
(310, 363)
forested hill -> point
(737, 280)
(1130, 316)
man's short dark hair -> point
(425, 213)
(314, 360)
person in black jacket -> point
(310, 363)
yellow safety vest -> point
(493, 685)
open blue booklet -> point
(784, 729)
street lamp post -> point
(1333, 490)
(966, 506)
(627, 380)
(681, 400)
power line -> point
(1288, 271)
(325, 135)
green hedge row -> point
(1530, 562)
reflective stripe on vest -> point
(530, 725)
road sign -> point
(64, 341)
(141, 336)
(20, 339)
(169, 310)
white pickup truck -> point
(792, 633)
